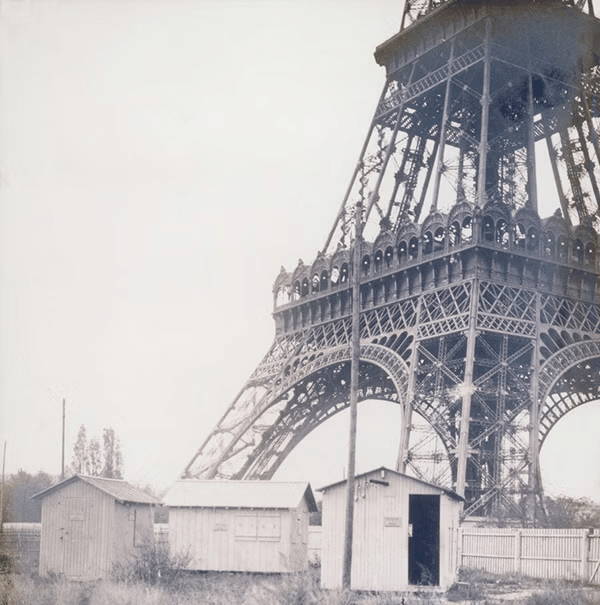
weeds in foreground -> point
(260, 589)
(481, 576)
(193, 589)
(564, 594)
(152, 564)
(21, 590)
(296, 589)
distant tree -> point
(92, 458)
(81, 461)
(572, 513)
(17, 505)
(95, 457)
(113, 459)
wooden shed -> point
(404, 533)
(91, 523)
(252, 526)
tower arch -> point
(568, 378)
(486, 307)
(309, 388)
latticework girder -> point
(475, 313)
(475, 93)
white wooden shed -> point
(251, 526)
(404, 533)
(91, 523)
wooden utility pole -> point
(354, 363)
(2, 488)
(62, 466)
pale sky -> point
(159, 161)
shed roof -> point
(448, 492)
(238, 494)
(119, 489)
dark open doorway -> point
(424, 540)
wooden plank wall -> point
(77, 532)
(380, 535)
(553, 554)
(248, 540)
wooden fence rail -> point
(553, 554)
(22, 542)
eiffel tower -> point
(477, 313)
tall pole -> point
(534, 425)
(354, 362)
(531, 170)
(465, 414)
(485, 116)
(442, 138)
(62, 466)
(2, 488)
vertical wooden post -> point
(408, 404)
(62, 466)
(357, 167)
(439, 161)
(584, 556)
(517, 552)
(485, 116)
(534, 426)
(354, 368)
(459, 547)
(465, 414)
(2, 488)
(388, 154)
(531, 170)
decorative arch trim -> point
(389, 361)
(551, 372)
(380, 356)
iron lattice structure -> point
(475, 313)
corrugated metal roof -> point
(449, 492)
(238, 494)
(119, 489)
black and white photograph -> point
(299, 302)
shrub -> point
(6, 563)
(152, 564)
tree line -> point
(90, 457)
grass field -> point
(155, 578)
(251, 589)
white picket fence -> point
(553, 554)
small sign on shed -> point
(251, 526)
(404, 533)
(91, 523)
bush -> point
(152, 564)
(6, 563)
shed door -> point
(424, 540)
(74, 538)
